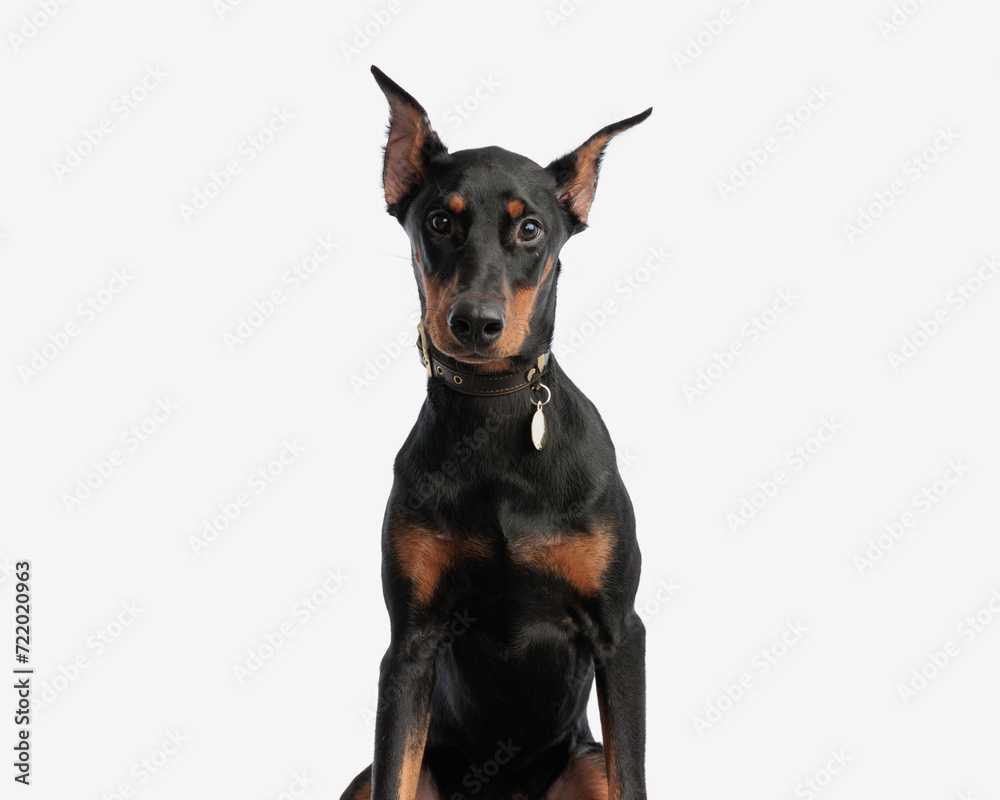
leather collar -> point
(483, 385)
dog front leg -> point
(621, 697)
(405, 682)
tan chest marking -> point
(424, 556)
(581, 559)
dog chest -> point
(427, 558)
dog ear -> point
(410, 145)
(576, 172)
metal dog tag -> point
(539, 434)
(539, 430)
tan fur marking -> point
(412, 760)
(515, 208)
(426, 788)
(581, 560)
(546, 271)
(580, 193)
(437, 297)
(416, 119)
(409, 164)
(425, 556)
(614, 790)
(456, 204)
(519, 308)
(491, 367)
(583, 778)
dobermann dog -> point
(509, 557)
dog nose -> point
(475, 322)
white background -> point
(555, 78)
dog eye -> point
(439, 222)
(530, 229)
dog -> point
(509, 556)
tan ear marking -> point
(580, 192)
(403, 167)
(576, 172)
(410, 144)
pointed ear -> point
(576, 172)
(410, 145)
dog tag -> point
(539, 434)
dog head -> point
(485, 227)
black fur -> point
(503, 656)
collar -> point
(495, 383)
